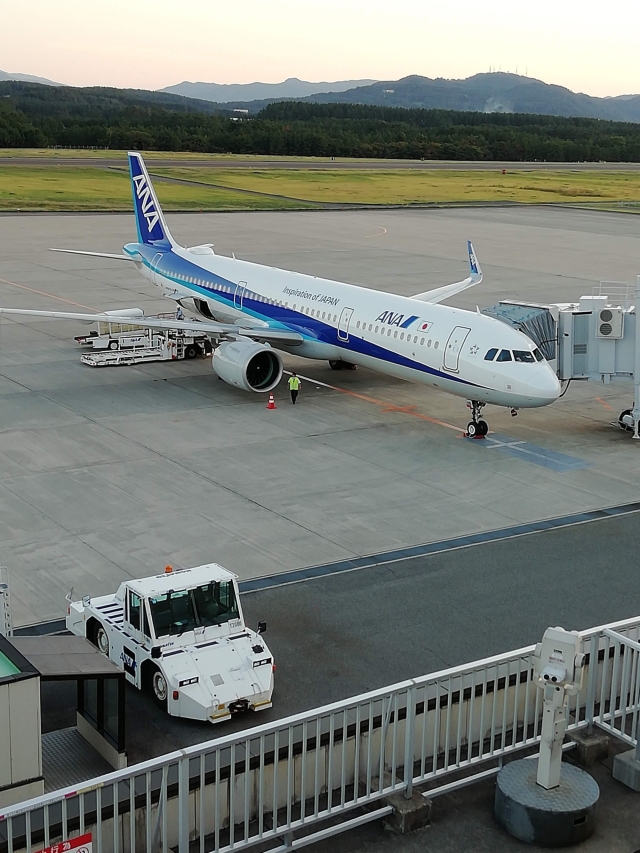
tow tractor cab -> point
(182, 636)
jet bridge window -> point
(522, 355)
(491, 354)
(505, 355)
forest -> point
(37, 116)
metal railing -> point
(286, 784)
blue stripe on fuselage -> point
(177, 269)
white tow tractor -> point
(182, 636)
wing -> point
(440, 293)
(97, 254)
(218, 331)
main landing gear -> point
(476, 428)
(342, 365)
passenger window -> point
(436, 345)
(358, 324)
(505, 355)
(491, 354)
(402, 336)
(377, 330)
(389, 333)
(421, 342)
(370, 327)
(395, 334)
(523, 356)
(429, 342)
(134, 610)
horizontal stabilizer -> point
(441, 293)
(214, 330)
(96, 254)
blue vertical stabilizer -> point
(152, 228)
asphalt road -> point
(424, 165)
(345, 634)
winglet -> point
(150, 221)
(440, 293)
(473, 261)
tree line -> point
(32, 115)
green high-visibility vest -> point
(294, 383)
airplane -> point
(251, 312)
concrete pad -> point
(135, 467)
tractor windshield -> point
(175, 612)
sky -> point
(148, 44)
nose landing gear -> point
(476, 428)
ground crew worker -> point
(294, 387)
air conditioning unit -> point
(610, 323)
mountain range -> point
(27, 78)
(292, 87)
(490, 93)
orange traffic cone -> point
(272, 403)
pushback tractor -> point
(182, 636)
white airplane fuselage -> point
(419, 341)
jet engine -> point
(247, 365)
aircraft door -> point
(343, 324)
(454, 346)
(155, 273)
(241, 286)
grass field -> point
(420, 187)
(41, 187)
(79, 188)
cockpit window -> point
(505, 355)
(523, 356)
(538, 355)
(491, 354)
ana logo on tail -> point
(146, 202)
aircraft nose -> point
(546, 384)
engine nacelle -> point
(247, 365)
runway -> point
(319, 164)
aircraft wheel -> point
(483, 427)
(621, 422)
(472, 429)
(102, 641)
(335, 365)
(113, 344)
(159, 688)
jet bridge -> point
(592, 339)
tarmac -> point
(109, 474)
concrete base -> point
(590, 746)
(408, 814)
(557, 818)
(626, 769)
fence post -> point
(409, 737)
(593, 680)
(183, 805)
